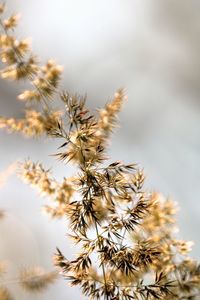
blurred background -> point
(149, 47)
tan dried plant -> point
(126, 235)
(32, 279)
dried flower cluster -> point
(20, 63)
(126, 235)
(32, 279)
(36, 279)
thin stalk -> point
(103, 267)
(97, 232)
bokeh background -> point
(152, 49)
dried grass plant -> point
(129, 249)
(32, 279)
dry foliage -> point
(32, 279)
(5, 294)
(128, 246)
(35, 279)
